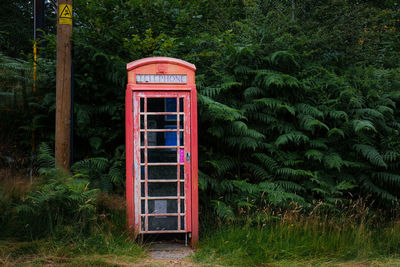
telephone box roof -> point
(153, 60)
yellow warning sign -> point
(65, 14)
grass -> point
(102, 249)
(305, 240)
(104, 243)
(354, 236)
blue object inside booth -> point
(170, 137)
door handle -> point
(188, 156)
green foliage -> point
(294, 104)
(58, 200)
(16, 28)
(296, 241)
(69, 247)
(326, 124)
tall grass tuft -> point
(351, 233)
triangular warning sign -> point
(66, 12)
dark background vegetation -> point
(298, 102)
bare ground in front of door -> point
(169, 251)
(165, 253)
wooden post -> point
(63, 84)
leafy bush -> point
(58, 200)
(283, 126)
(296, 103)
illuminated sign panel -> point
(161, 78)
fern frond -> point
(391, 156)
(217, 130)
(266, 160)
(259, 172)
(268, 78)
(314, 154)
(333, 161)
(241, 69)
(309, 123)
(245, 187)
(391, 178)
(242, 142)
(370, 187)
(290, 186)
(91, 164)
(336, 131)
(116, 175)
(371, 154)
(385, 109)
(318, 143)
(222, 210)
(219, 111)
(271, 103)
(284, 57)
(222, 165)
(240, 128)
(230, 84)
(294, 137)
(361, 125)
(309, 110)
(338, 115)
(211, 91)
(289, 172)
(369, 112)
(252, 92)
(45, 157)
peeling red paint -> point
(134, 197)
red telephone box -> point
(161, 147)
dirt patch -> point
(167, 263)
(14, 182)
(169, 251)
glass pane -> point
(162, 172)
(141, 104)
(162, 138)
(170, 137)
(141, 121)
(161, 121)
(142, 223)
(182, 139)
(142, 155)
(142, 189)
(151, 139)
(162, 206)
(182, 172)
(181, 104)
(162, 155)
(170, 105)
(142, 139)
(157, 223)
(183, 223)
(162, 189)
(182, 189)
(181, 121)
(182, 206)
(142, 174)
(159, 104)
(143, 207)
